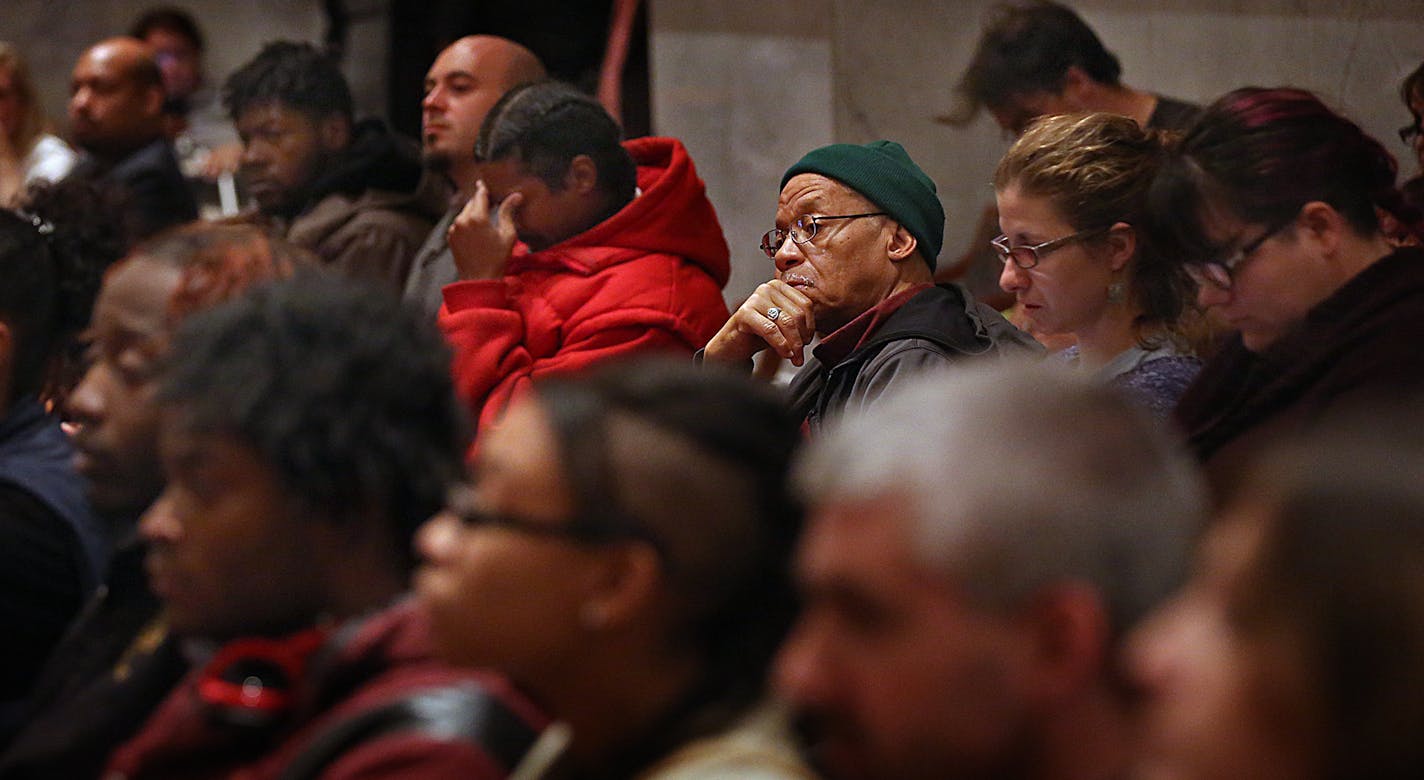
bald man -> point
(465, 81)
(116, 119)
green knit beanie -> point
(887, 177)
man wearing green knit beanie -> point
(858, 232)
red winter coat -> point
(647, 279)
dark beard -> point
(437, 162)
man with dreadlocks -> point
(575, 249)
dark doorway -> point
(568, 35)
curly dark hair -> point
(53, 255)
(296, 75)
(345, 393)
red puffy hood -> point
(671, 215)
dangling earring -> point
(1117, 292)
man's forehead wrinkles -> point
(812, 199)
(810, 187)
(822, 196)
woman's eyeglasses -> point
(1027, 256)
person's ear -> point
(1070, 631)
(1321, 227)
(7, 359)
(153, 101)
(334, 132)
(1076, 85)
(582, 175)
(626, 588)
(1121, 242)
(902, 244)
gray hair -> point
(1017, 476)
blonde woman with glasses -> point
(1069, 193)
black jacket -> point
(104, 679)
(371, 209)
(151, 187)
(935, 327)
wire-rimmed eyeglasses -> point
(1027, 256)
(1221, 273)
(803, 230)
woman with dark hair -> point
(1297, 650)
(52, 546)
(623, 554)
(1070, 196)
(1272, 203)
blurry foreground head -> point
(307, 428)
(142, 300)
(622, 551)
(977, 545)
(1297, 650)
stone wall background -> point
(750, 85)
(53, 33)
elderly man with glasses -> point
(865, 229)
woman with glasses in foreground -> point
(1272, 201)
(623, 554)
(1070, 193)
